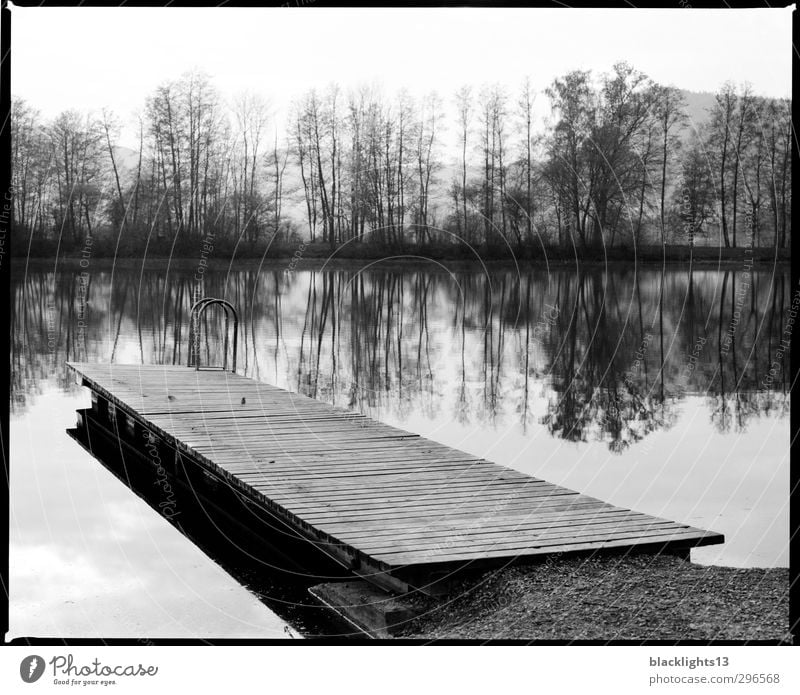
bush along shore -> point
(609, 598)
(305, 251)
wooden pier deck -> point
(397, 509)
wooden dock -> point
(395, 508)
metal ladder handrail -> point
(195, 313)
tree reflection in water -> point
(591, 354)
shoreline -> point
(610, 598)
(290, 264)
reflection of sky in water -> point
(88, 557)
(736, 485)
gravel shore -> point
(634, 597)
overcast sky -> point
(89, 58)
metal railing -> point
(195, 314)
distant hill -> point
(698, 105)
(126, 159)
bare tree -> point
(427, 129)
(464, 105)
(670, 115)
(743, 114)
(526, 111)
(110, 125)
(721, 123)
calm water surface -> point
(665, 392)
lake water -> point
(661, 391)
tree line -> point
(617, 163)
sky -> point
(91, 58)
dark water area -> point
(665, 391)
